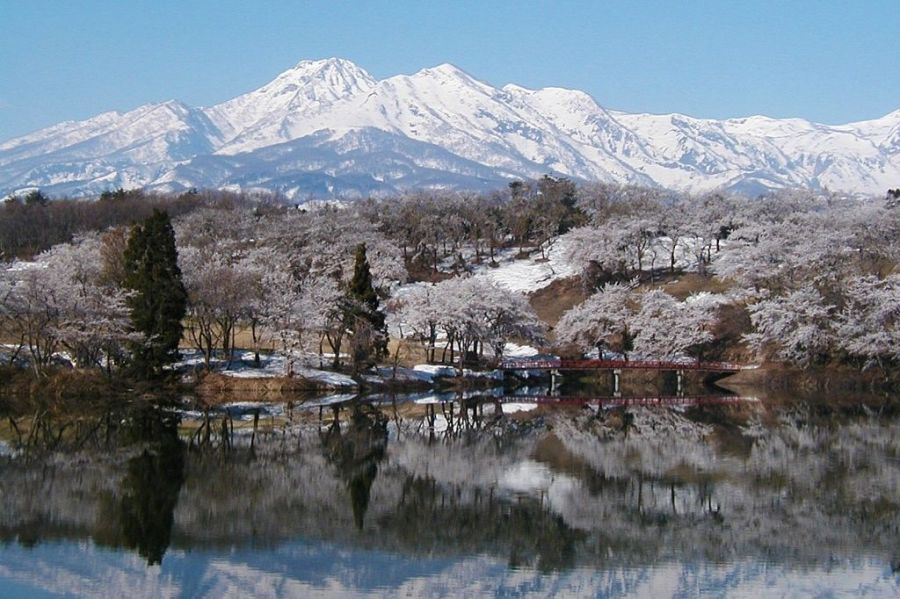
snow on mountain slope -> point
(110, 150)
(285, 108)
(877, 130)
(154, 132)
(599, 136)
(352, 163)
(326, 127)
(445, 106)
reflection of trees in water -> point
(804, 489)
(46, 432)
(462, 417)
(149, 495)
(438, 519)
(136, 513)
(356, 452)
(107, 425)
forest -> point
(800, 278)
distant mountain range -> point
(327, 128)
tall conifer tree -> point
(159, 301)
(366, 318)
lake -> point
(443, 496)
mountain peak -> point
(448, 69)
(438, 126)
(175, 106)
(514, 88)
(322, 62)
(327, 66)
(444, 71)
(337, 74)
(309, 86)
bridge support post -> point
(617, 373)
(679, 377)
(554, 374)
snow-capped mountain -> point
(327, 127)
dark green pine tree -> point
(159, 301)
(366, 318)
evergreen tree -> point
(366, 320)
(36, 198)
(159, 301)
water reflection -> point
(356, 451)
(369, 497)
(137, 512)
(151, 486)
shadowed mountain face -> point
(327, 128)
(726, 498)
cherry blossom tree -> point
(795, 327)
(220, 295)
(668, 329)
(417, 315)
(868, 326)
(32, 312)
(601, 321)
(58, 302)
(472, 313)
(94, 321)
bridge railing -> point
(613, 402)
(519, 364)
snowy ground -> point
(530, 274)
(271, 365)
(522, 275)
(414, 374)
(514, 350)
(435, 370)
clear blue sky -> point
(826, 60)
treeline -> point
(32, 223)
(800, 277)
(804, 278)
(427, 226)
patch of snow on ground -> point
(271, 365)
(514, 350)
(325, 377)
(435, 369)
(530, 274)
(512, 407)
(405, 374)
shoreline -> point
(19, 387)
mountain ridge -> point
(318, 121)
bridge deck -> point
(617, 402)
(619, 365)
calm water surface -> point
(776, 497)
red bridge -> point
(621, 402)
(726, 367)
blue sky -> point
(829, 61)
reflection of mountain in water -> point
(684, 490)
